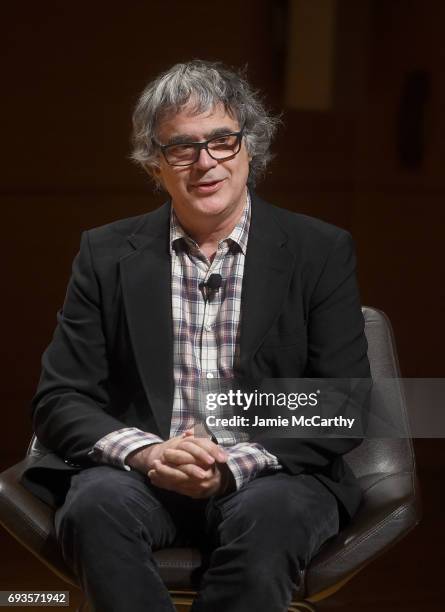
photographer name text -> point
(294, 421)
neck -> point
(208, 232)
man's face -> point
(208, 189)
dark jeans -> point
(257, 539)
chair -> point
(389, 510)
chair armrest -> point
(390, 509)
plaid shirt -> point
(205, 350)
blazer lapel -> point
(267, 271)
(146, 282)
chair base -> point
(300, 606)
(186, 599)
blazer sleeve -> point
(337, 349)
(69, 410)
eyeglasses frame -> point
(199, 146)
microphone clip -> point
(211, 286)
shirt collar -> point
(238, 235)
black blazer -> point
(110, 362)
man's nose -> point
(205, 161)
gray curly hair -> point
(203, 84)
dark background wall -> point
(372, 161)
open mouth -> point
(208, 186)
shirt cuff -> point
(246, 460)
(115, 447)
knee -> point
(100, 496)
(273, 512)
(276, 525)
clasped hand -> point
(192, 466)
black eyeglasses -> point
(218, 147)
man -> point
(213, 285)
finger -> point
(168, 473)
(195, 472)
(192, 486)
(202, 487)
(210, 448)
(175, 442)
(152, 474)
(154, 477)
(213, 449)
(199, 454)
(180, 456)
(160, 482)
(175, 456)
(187, 487)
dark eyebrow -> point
(188, 138)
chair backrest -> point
(383, 455)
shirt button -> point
(208, 328)
(209, 375)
